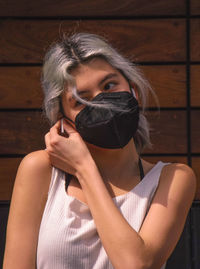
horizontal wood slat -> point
(195, 7)
(24, 132)
(168, 132)
(8, 168)
(169, 84)
(20, 86)
(196, 167)
(195, 85)
(195, 131)
(91, 8)
(170, 159)
(143, 40)
(195, 39)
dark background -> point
(162, 36)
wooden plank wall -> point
(162, 36)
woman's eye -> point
(78, 104)
(109, 85)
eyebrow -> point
(109, 76)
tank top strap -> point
(141, 169)
(68, 177)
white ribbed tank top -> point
(68, 237)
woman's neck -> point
(115, 164)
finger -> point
(47, 139)
(55, 130)
(57, 126)
(68, 127)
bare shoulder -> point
(31, 185)
(39, 159)
(35, 168)
(179, 181)
(180, 172)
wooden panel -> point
(20, 87)
(8, 169)
(195, 131)
(171, 159)
(147, 40)
(195, 7)
(91, 8)
(195, 85)
(196, 167)
(195, 39)
(168, 132)
(4, 208)
(21, 132)
(195, 220)
(169, 84)
(182, 253)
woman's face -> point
(92, 78)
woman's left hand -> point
(66, 153)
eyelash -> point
(111, 82)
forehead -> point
(94, 66)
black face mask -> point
(111, 127)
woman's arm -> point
(161, 229)
(164, 223)
(27, 205)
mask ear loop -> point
(141, 169)
(133, 92)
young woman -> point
(88, 200)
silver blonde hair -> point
(67, 54)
